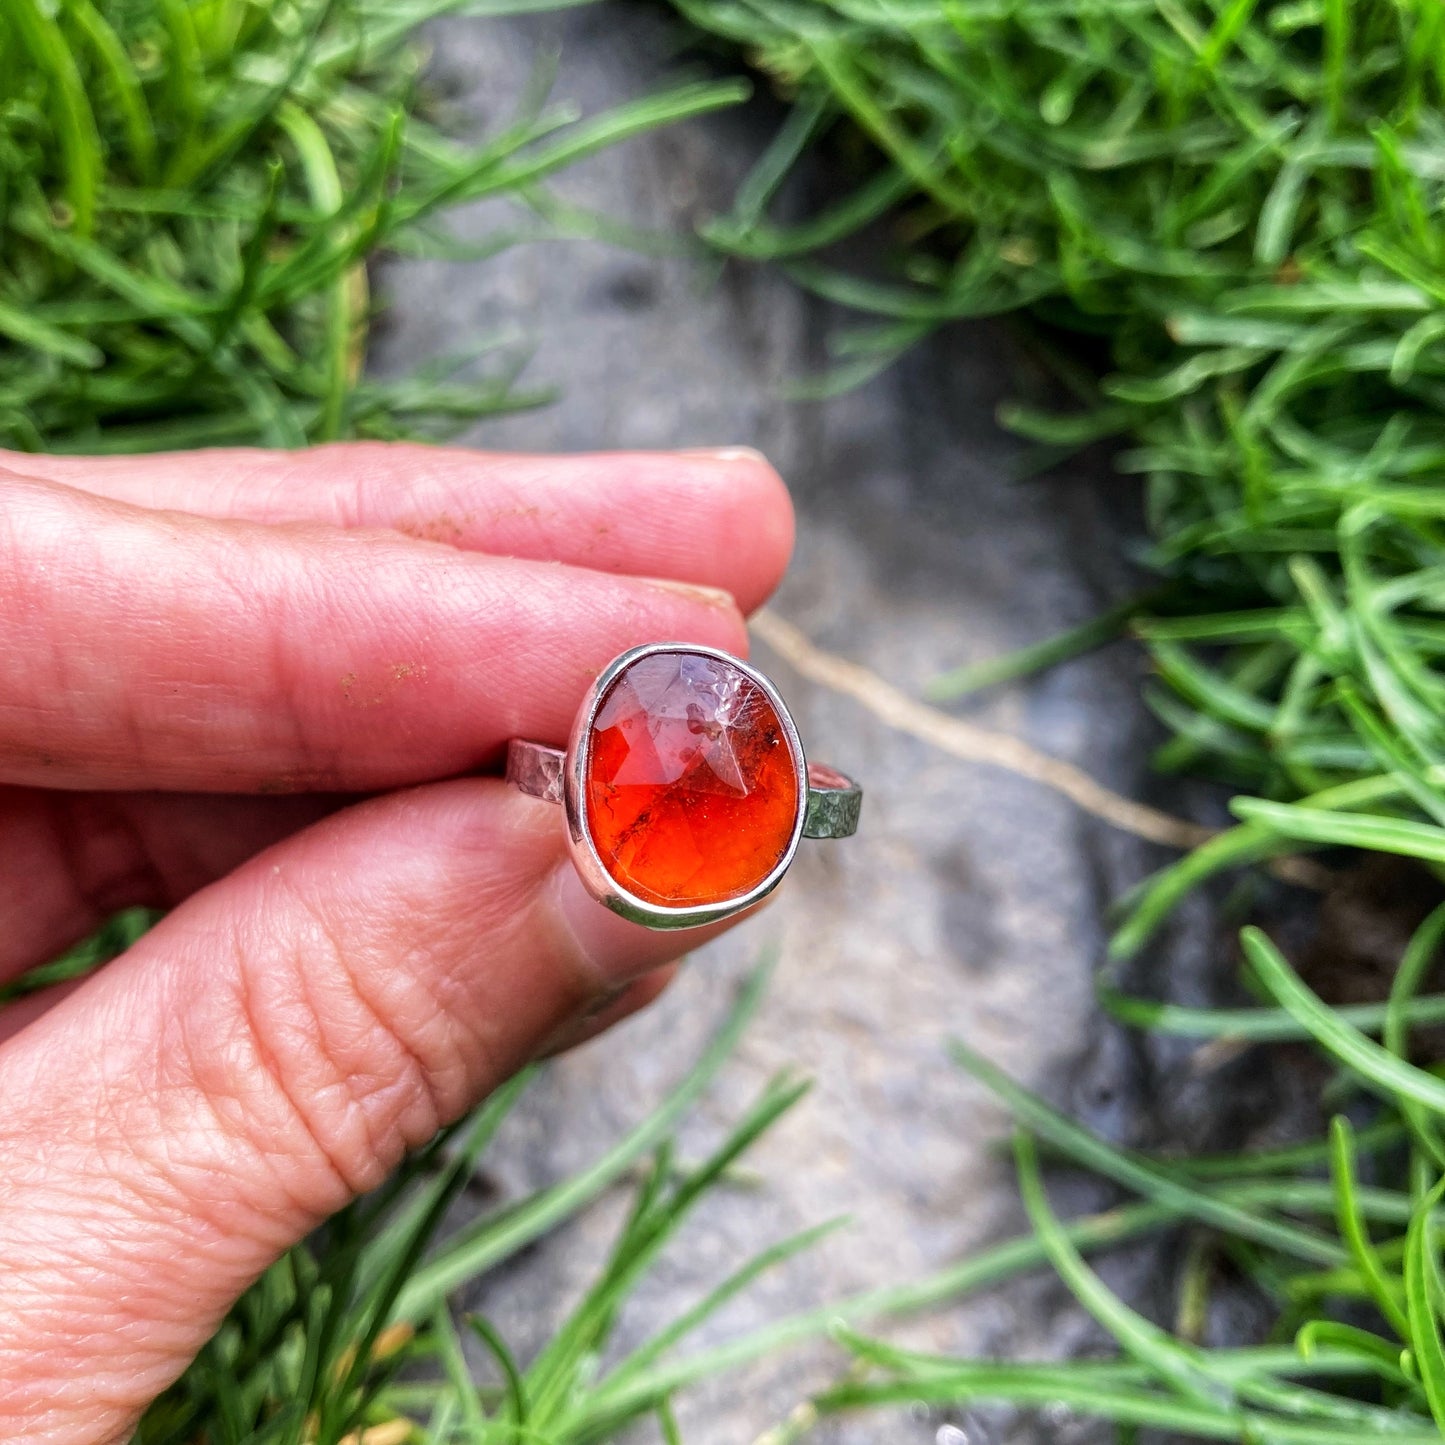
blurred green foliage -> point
(190, 191)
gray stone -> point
(972, 904)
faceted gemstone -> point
(692, 793)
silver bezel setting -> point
(590, 868)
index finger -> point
(145, 649)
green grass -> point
(1351, 1268)
(190, 193)
(352, 1331)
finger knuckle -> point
(351, 1044)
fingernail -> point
(613, 950)
(708, 596)
(725, 454)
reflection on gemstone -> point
(692, 791)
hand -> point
(201, 657)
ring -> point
(685, 786)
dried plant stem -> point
(962, 739)
(967, 740)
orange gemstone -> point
(692, 791)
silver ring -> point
(685, 786)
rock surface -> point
(973, 902)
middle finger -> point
(720, 518)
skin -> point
(265, 691)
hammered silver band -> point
(834, 801)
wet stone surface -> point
(971, 905)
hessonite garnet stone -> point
(692, 791)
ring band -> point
(834, 801)
(685, 786)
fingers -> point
(70, 860)
(144, 650)
(721, 519)
(272, 1048)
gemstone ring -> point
(685, 786)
